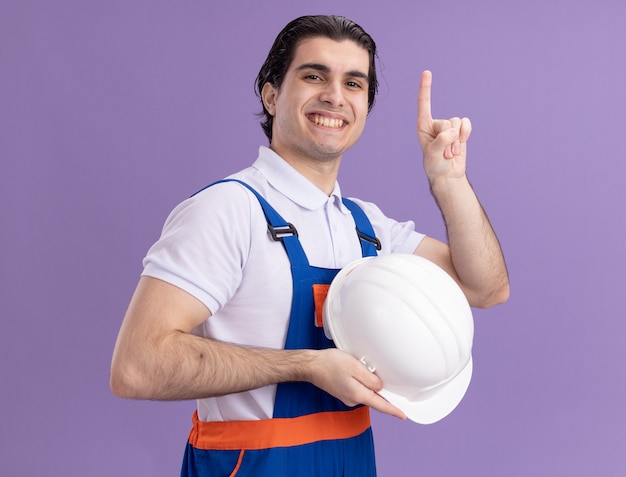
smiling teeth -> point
(327, 122)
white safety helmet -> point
(407, 320)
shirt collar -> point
(289, 182)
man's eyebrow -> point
(325, 69)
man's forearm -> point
(184, 366)
(474, 248)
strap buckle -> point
(372, 240)
(282, 231)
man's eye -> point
(314, 77)
(353, 84)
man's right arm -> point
(157, 357)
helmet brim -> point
(437, 404)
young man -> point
(224, 310)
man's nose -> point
(332, 94)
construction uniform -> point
(311, 432)
(306, 431)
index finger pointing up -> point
(423, 97)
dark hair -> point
(282, 52)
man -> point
(223, 312)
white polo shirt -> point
(216, 247)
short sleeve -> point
(204, 245)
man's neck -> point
(322, 173)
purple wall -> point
(111, 112)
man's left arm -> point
(473, 256)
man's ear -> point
(268, 95)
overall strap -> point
(369, 243)
(279, 228)
(286, 232)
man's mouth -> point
(332, 123)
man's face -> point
(320, 109)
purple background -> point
(111, 112)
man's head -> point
(282, 53)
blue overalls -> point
(311, 433)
